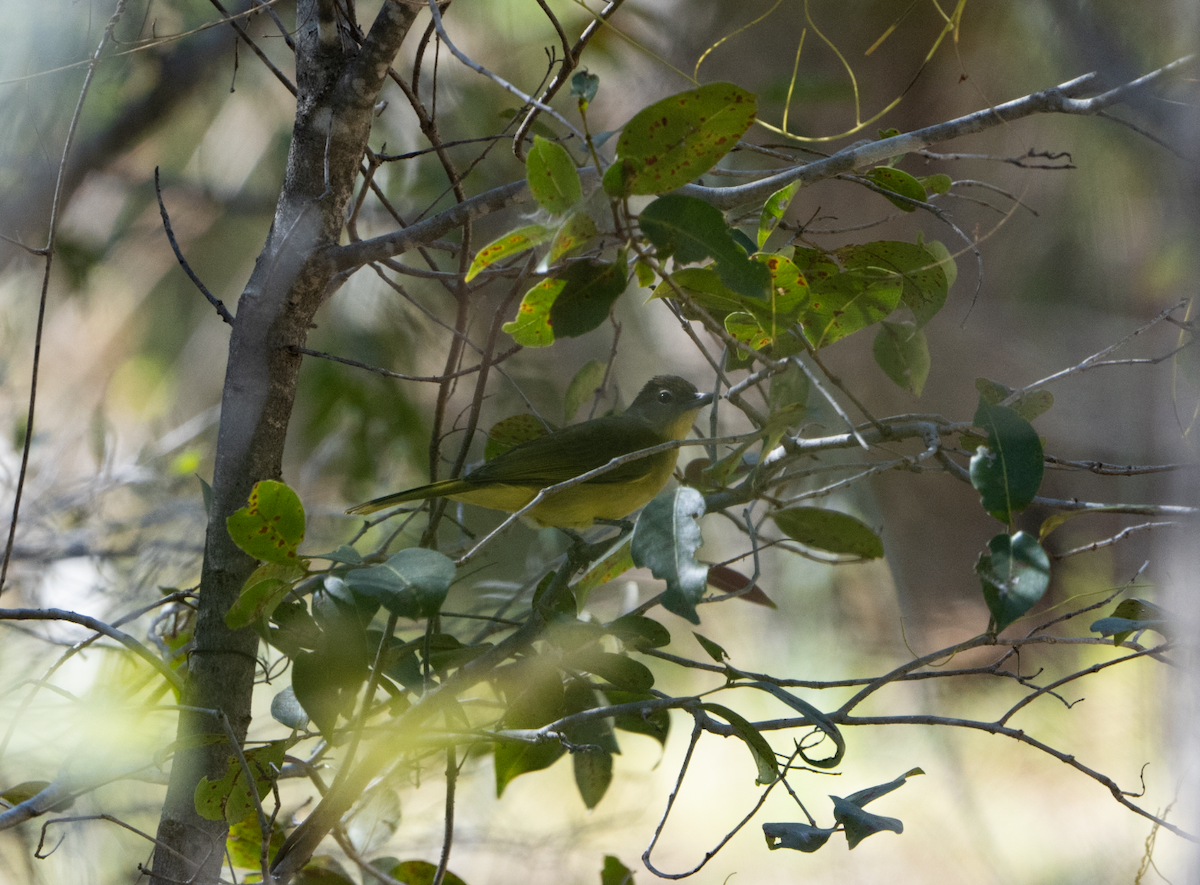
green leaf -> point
(1007, 472)
(936, 184)
(817, 718)
(620, 671)
(703, 286)
(552, 178)
(764, 756)
(413, 583)
(615, 872)
(267, 586)
(656, 725)
(713, 650)
(510, 244)
(845, 302)
(798, 837)
(903, 353)
(1028, 405)
(531, 326)
(859, 823)
(692, 230)
(1014, 573)
(541, 702)
(583, 386)
(676, 140)
(1130, 616)
(593, 774)
(229, 797)
(588, 296)
(244, 843)
(829, 530)
(271, 525)
(665, 540)
(417, 872)
(615, 563)
(638, 632)
(898, 183)
(773, 211)
(787, 396)
(512, 431)
(574, 234)
(922, 272)
(870, 794)
(584, 86)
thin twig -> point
(48, 253)
(216, 302)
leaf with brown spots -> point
(678, 139)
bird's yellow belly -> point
(579, 506)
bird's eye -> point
(664, 396)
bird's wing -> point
(567, 453)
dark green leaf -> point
(713, 650)
(622, 672)
(615, 872)
(859, 823)
(593, 774)
(584, 86)
(665, 540)
(798, 837)
(870, 794)
(692, 230)
(418, 872)
(1015, 573)
(656, 725)
(764, 756)
(829, 530)
(1008, 471)
(587, 296)
(637, 632)
(412, 583)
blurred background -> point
(1061, 262)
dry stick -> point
(435, 379)
(570, 61)
(48, 253)
(105, 817)
(499, 81)
(233, 22)
(222, 311)
(448, 836)
(1097, 359)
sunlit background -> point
(1070, 260)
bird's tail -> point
(433, 490)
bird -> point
(663, 410)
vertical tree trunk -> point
(337, 85)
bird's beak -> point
(703, 399)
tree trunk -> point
(337, 82)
